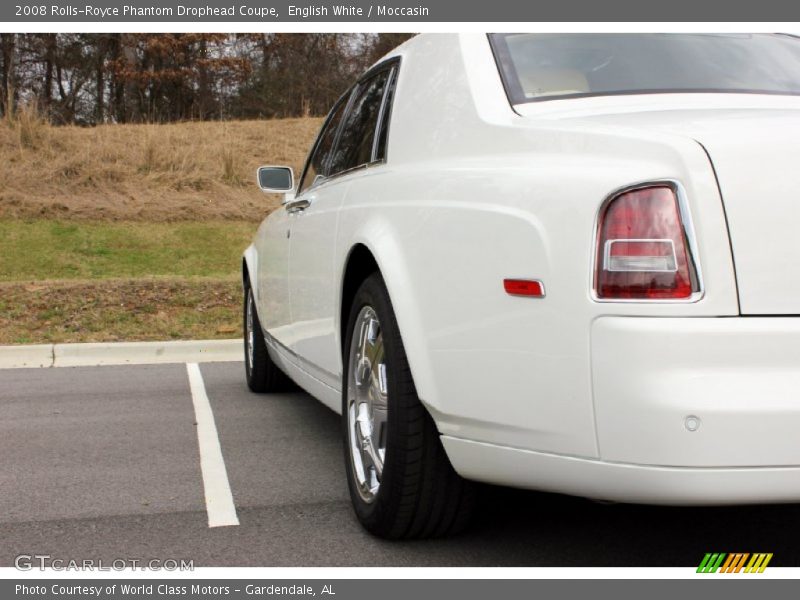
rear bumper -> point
(697, 392)
(622, 482)
(686, 411)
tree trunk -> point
(204, 88)
(99, 79)
(132, 101)
(7, 49)
(116, 87)
(51, 48)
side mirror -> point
(275, 179)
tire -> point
(262, 374)
(401, 482)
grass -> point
(192, 171)
(131, 232)
(42, 249)
(73, 281)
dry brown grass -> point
(183, 171)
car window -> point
(542, 66)
(386, 114)
(354, 147)
(315, 166)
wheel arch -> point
(250, 269)
(359, 264)
(384, 255)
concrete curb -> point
(40, 355)
(120, 353)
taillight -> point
(642, 251)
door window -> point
(354, 147)
(315, 166)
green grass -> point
(46, 249)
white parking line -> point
(219, 499)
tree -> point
(7, 69)
(98, 77)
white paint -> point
(737, 378)
(219, 499)
(622, 482)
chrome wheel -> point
(367, 407)
(249, 330)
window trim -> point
(385, 111)
(393, 66)
(502, 57)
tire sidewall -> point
(248, 306)
(373, 293)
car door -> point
(272, 293)
(274, 238)
(313, 284)
(301, 233)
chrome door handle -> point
(296, 206)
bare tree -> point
(130, 77)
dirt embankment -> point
(116, 310)
(175, 172)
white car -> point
(561, 262)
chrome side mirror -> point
(276, 180)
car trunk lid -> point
(757, 163)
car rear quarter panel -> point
(472, 194)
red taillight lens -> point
(642, 251)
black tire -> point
(262, 374)
(420, 495)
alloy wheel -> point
(367, 406)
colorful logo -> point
(722, 562)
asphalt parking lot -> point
(104, 463)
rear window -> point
(541, 66)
